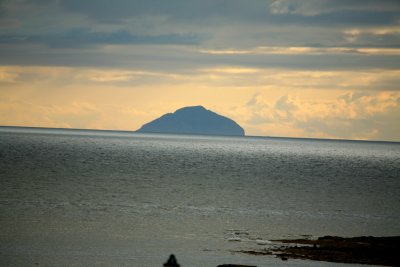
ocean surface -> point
(107, 198)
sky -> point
(301, 68)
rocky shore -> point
(364, 250)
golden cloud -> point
(346, 111)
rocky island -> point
(193, 120)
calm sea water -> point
(101, 198)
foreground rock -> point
(364, 250)
(193, 120)
(171, 262)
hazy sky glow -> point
(312, 68)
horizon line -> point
(248, 136)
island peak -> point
(193, 120)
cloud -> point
(354, 115)
(276, 50)
(286, 79)
(229, 77)
(254, 100)
(107, 76)
(193, 11)
(323, 7)
(284, 7)
(84, 37)
(178, 58)
(84, 115)
(199, 34)
(121, 77)
(117, 11)
(7, 75)
(286, 103)
(61, 76)
(146, 17)
(231, 70)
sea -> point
(112, 198)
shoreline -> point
(362, 250)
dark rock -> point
(364, 250)
(193, 120)
(172, 262)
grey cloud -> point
(253, 100)
(333, 62)
(216, 24)
(280, 12)
(84, 37)
(259, 12)
(388, 84)
(284, 104)
(368, 40)
(181, 59)
(340, 18)
(352, 97)
(177, 9)
(342, 11)
(317, 7)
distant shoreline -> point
(246, 136)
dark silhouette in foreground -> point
(193, 120)
(172, 262)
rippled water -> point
(100, 198)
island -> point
(193, 120)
